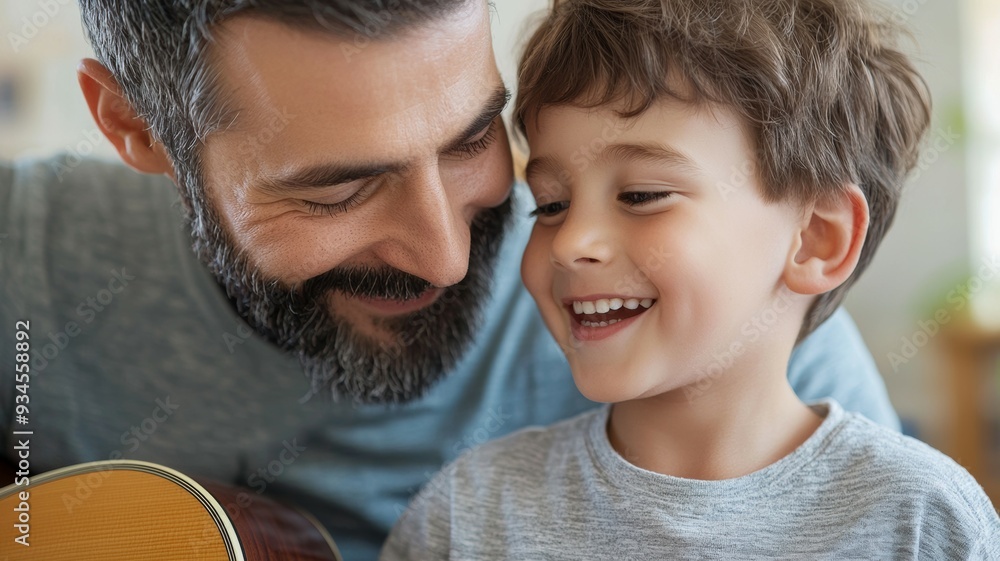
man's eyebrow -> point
(493, 107)
(330, 174)
(323, 175)
(326, 175)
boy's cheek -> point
(536, 287)
(535, 266)
(537, 274)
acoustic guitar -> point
(124, 510)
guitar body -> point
(123, 510)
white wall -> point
(42, 44)
(511, 21)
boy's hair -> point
(825, 96)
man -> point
(345, 180)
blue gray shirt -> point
(137, 353)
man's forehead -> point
(265, 66)
(301, 101)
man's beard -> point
(338, 359)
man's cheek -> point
(296, 258)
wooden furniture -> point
(121, 510)
(972, 353)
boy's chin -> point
(605, 387)
(620, 384)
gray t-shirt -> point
(853, 490)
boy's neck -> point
(746, 421)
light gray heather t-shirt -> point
(853, 490)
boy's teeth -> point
(586, 323)
(604, 305)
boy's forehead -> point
(706, 145)
(625, 98)
(619, 119)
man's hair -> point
(825, 96)
(159, 52)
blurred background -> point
(929, 307)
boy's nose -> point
(583, 239)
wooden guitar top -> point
(128, 510)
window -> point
(982, 91)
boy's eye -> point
(640, 198)
(550, 209)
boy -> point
(710, 178)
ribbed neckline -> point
(670, 489)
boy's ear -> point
(118, 121)
(828, 244)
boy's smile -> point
(650, 250)
(597, 317)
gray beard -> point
(339, 361)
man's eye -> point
(479, 143)
(550, 209)
(333, 209)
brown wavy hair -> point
(826, 96)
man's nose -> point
(432, 237)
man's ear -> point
(118, 121)
(828, 245)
